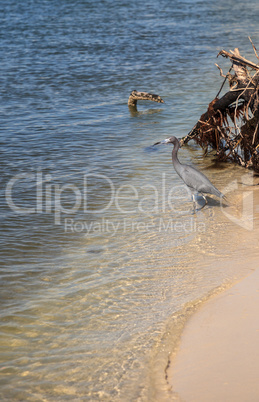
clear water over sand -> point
(100, 249)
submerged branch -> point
(136, 95)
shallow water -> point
(99, 243)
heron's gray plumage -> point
(193, 178)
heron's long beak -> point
(162, 142)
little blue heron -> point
(193, 178)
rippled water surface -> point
(99, 243)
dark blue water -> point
(90, 270)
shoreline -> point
(231, 255)
(218, 354)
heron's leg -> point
(192, 195)
(204, 203)
(194, 202)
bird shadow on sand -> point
(211, 202)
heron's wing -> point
(198, 181)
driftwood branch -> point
(220, 71)
(136, 95)
(238, 142)
(255, 50)
(235, 56)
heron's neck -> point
(175, 159)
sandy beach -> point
(218, 356)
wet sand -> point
(218, 356)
